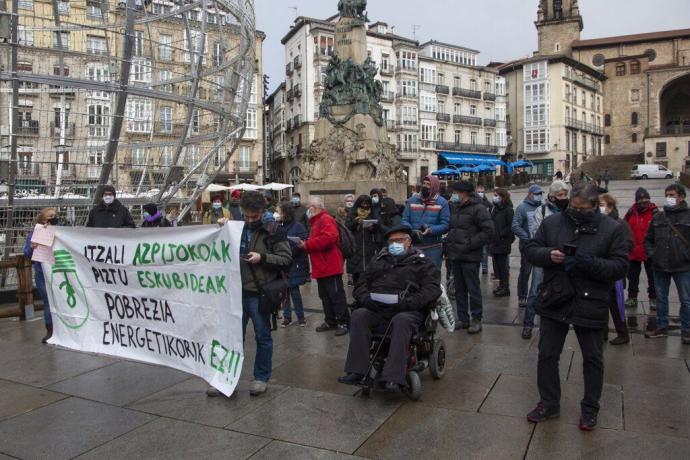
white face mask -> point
(603, 210)
(349, 204)
(277, 217)
(496, 199)
(481, 194)
(671, 202)
(108, 199)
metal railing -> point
(244, 167)
(444, 117)
(288, 69)
(28, 128)
(475, 148)
(490, 122)
(297, 90)
(489, 96)
(297, 62)
(69, 129)
(387, 96)
(467, 120)
(442, 89)
(470, 93)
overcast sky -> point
(500, 29)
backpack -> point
(346, 241)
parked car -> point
(651, 172)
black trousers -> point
(634, 279)
(523, 278)
(618, 320)
(403, 326)
(502, 270)
(332, 295)
(551, 339)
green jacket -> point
(276, 257)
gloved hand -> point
(368, 304)
(570, 263)
(405, 305)
(584, 262)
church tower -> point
(559, 24)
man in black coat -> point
(471, 228)
(398, 271)
(110, 213)
(583, 253)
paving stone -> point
(278, 450)
(6, 457)
(419, 431)
(458, 389)
(564, 442)
(317, 419)
(188, 401)
(24, 331)
(121, 383)
(305, 340)
(313, 372)
(52, 366)
(16, 399)
(18, 351)
(655, 409)
(170, 439)
(671, 347)
(516, 396)
(66, 429)
(505, 360)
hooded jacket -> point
(114, 216)
(471, 228)
(433, 212)
(639, 220)
(668, 252)
(523, 220)
(413, 274)
(602, 259)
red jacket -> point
(639, 224)
(322, 247)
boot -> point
(49, 334)
(502, 291)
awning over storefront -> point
(470, 159)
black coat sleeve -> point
(615, 265)
(428, 292)
(127, 220)
(485, 226)
(649, 239)
(537, 250)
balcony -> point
(406, 124)
(573, 123)
(387, 71)
(28, 128)
(467, 120)
(391, 125)
(28, 170)
(244, 167)
(321, 55)
(288, 125)
(290, 96)
(442, 89)
(406, 69)
(470, 93)
(586, 82)
(489, 96)
(443, 117)
(67, 170)
(296, 121)
(168, 129)
(69, 130)
(407, 153)
(407, 95)
(489, 123)
(471, 148)
(387, 96)
(288, 69)
(297, 90)
(297, 62)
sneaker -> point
(325, 327)
(475, 326)
(588, 421)
(541, 413)
(341, 330)
(502, 292)
(215, 393)
(652, 304)
(685, 337)
(522, 302)
(631, 303)
(285, 323)
(302, 322)
(351, 379)
(526, 333)
(258, 387)
(461, 325)
(620, 340)
(657, 333)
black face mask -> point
(642, 205)
(562, 203)
(253, 225)
(580, 217)
(426, 192)
(54, 221)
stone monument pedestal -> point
(333, 193)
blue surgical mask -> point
(375, 200)
(480, 194)
(146, 215)
(396, 249)
(537, 198)
(295, 200)
(216, 205)
(455, 198)
(496, 199)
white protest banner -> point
(168, 296)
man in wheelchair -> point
(397, 288)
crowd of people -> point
(576, 255)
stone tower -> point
(559, 24)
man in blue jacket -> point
(427, 213)
(523, 227)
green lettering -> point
(140, 277)
(204, 252)
(214, 252)
(182, 253)
(225, 250)
(220, 283)
(179, 284)
(155, 249)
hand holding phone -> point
(569, 249)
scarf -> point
(363, 213)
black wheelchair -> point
(425, 351)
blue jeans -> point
(466, 276)
(662, 283)
(41, 287)
(435, 254)
(263, 362)
(530, 313)
(523, 278)
(296, 298)
(485, 260)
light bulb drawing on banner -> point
(72, 288)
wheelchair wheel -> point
(414, 386)
(437, 360)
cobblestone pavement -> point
(62, 404)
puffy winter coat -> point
(471, 229)
(366, 244)
(114, 216)
(668, 251)
(502, 217)
(322, 247)
(639, 221)
(299, 269)
(523, 220)
(602, 259)
(413, 274)
(435, 214)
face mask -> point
(396, 249)
(580, 217)
(455, 198)
(375, 200)
(537, 199)
(480, 194)
(216, 205)
(349, 204)
(310, 213)
(253, 225)
(426, 192)
(642, 204)
(146, 215)
(671, 202)
(562, 203)
(496, 199)
(53, 221)
(277, 217)
(108, 199)
(603, 210)
(296, 201)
